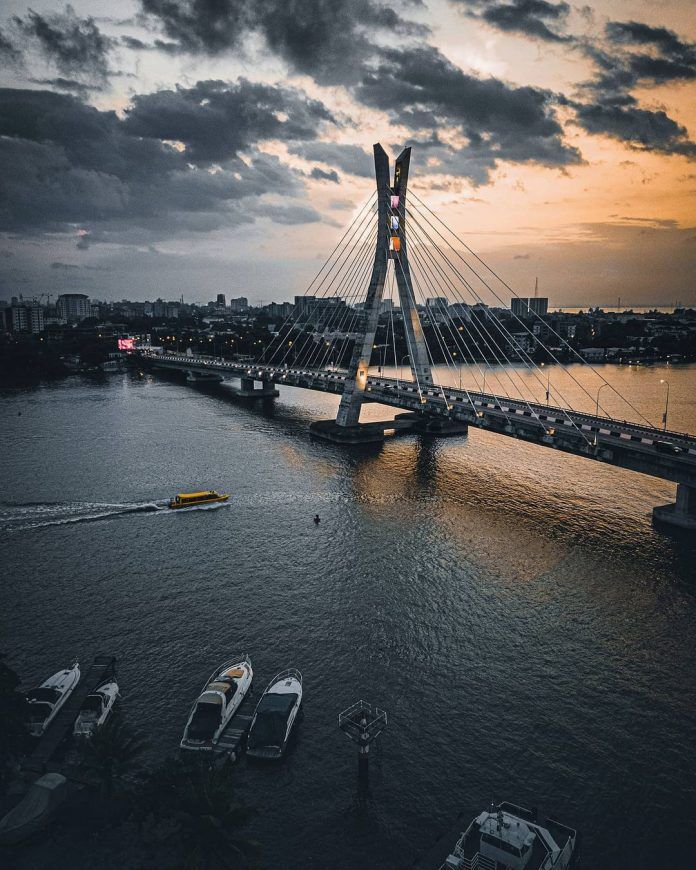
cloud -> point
(64, 267)
(76, 45)
(641, 129)
(521, 257)
(349, 158)
(216, 120)
(71, 85)
(423, 90)
(329, 40)
(319, 175)
(9, 53)
(533, 18)
(67, 164)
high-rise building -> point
(238, 304)
(73, 307)
(528, 306)
(221, 299)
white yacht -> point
(219, 700)
(47, 699)
(96, 709)
(508, 837)
(275, 715)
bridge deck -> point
(666, 454)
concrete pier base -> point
(681, 514)
(426, 424)
(203, 378)
(370, 433)
(248, 390)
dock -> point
(101, 669)
(232, 738)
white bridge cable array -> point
(518, 319)
(507, 366)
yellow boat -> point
(190, 499)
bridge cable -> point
(538, 316)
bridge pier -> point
(682, 513)
(249, 390)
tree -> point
(194, 805)
(111, 754)
(14, 736)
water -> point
(529, 633)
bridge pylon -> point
(391, 244)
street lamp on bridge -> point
(596, 410)
(664, 416)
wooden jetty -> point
(101, 669)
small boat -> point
(96, 709)
(508, 837)
(217, 703)
(190, 499)
(274, 716)
(46, 700)
(36, 809)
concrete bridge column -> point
(249, 390)
(682, 513)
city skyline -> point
(225, 151)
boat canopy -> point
(227, 687)
(205, 492)
(93, 703)
(43, 693)
(271, 722)
(39, 712)
(206, 720)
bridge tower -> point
(391, 244)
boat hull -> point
(221, 498)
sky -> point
(191, 147)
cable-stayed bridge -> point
(387, 297)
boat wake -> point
(37, 515)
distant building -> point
(438, 303)
(238, 304)
(527, 306)
(279, 310)
(24, 317)
(73, 307)
(221, 299)
(304, 304)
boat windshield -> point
(205, 722)
(271, 722)
(39, 712)
(50, 696)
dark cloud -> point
(70, 85)
(538, 19)
(76, 45)
(420, 88)
(641, 129)
(349, 158)
(320, 175)
(67, 164)
(9, 53)
(216, 120)
(64, 267)
(288, 214)
(327, 39)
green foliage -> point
(111, 754)
(14, 737)
(195, 805)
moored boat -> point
(96, 709)
(508, 837)
(275, 715)
(47, 699)
(219, 700)
(191, 499)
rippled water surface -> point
(531, 636)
